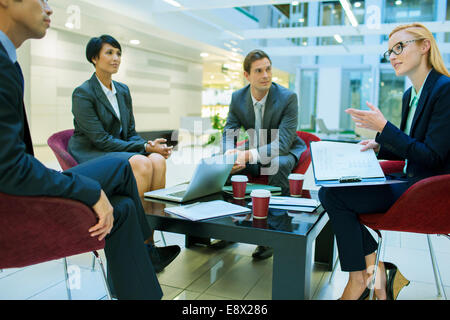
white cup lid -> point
(260, 193)
(239, 178)
(296, 176)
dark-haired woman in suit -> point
(422, 140)
(104, 121)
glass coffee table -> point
(298, 239)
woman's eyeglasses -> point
(397, 48)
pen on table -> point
(191, 205)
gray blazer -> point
(97, 127)
(281, 112)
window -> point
(356, 87)
(329, 41)
(391, 93)
(332, 13)
(447, 34)
(448, 10)
(299, 18)
(401, 11)
(307, 100)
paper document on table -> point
(340, 161)
(295, 204)
(207, 210)
(290, 201)
(294, 208)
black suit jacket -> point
(97, 126)
(427, 148)
(281, 113)
(20, 172)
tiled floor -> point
(230, 273)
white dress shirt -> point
(112, 98)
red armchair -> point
(303, 162)
(423, 208)
(40, 229)
(58, 143)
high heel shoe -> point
(395, 281)
(364, 295)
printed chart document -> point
(343, 164)
(207, 210)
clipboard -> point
(342, 164)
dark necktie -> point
(19, 70)
(26, 128)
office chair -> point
(39, 229)
(423, 208)
(302, 164)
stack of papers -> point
(295, 204)
(207, 210)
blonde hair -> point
(421, 33)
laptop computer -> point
(209, 177)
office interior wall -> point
(164, 78)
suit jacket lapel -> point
(249, 109)
(98, 91)
(26, 129)
(405, 109)
(427, 87)
(269, 108)
(123, 110)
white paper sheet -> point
(333, 160)
(290, 201)
(207, 210)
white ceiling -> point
(200, 20)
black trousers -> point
(129, 266)
(343, 204)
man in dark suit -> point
(113, 197)
(269, 114)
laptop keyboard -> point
(179, 194)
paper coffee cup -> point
(260, 203)
(296, 184)
(259, 223)
(239, 183)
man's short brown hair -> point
(252, 56)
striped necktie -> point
(258, 120)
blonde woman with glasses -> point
(422, 141)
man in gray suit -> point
(268, 112)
